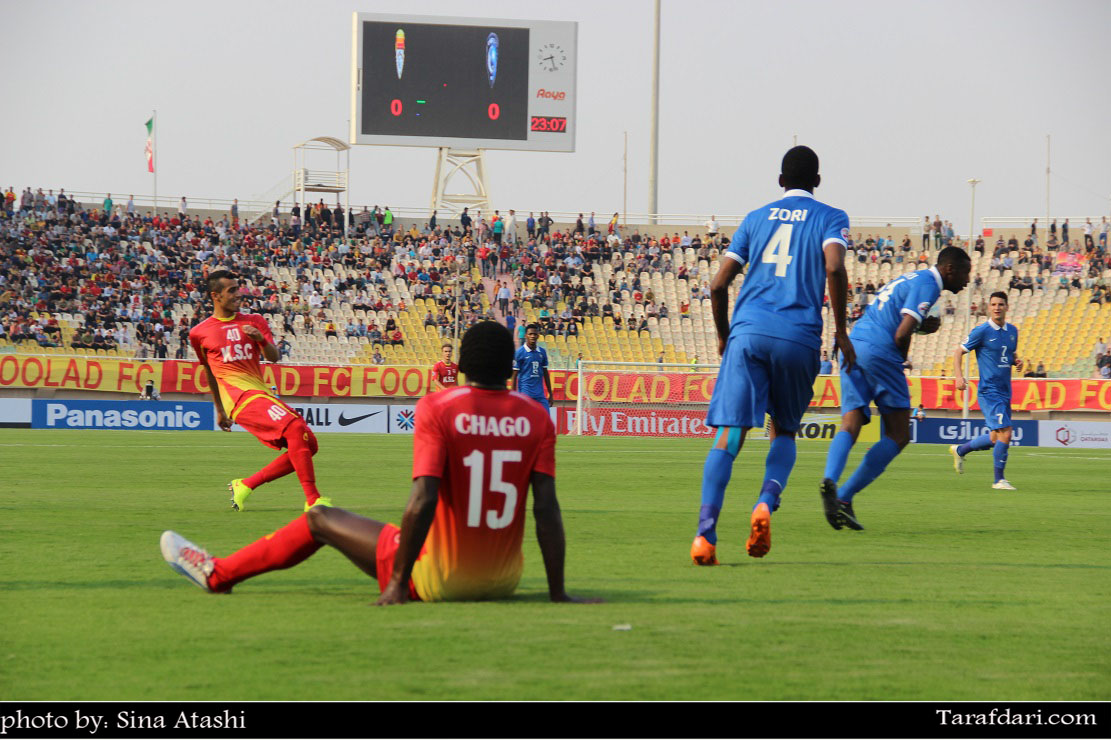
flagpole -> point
(154, 150)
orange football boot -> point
(760, 539)
(702, 552)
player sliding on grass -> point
(995, 343)
(229, 345)
(792, 247)
(882, 340)
(476, 449)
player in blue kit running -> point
(793, 247)
(995, 343)
(882, 339)
(530, 369)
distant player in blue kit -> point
(995, 343)
(793, 247)
(882, 339)
(530, 369)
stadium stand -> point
(355, 289)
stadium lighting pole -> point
(973, 182)
(625, 184)
(654, 144)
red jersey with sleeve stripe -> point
(447, 373)
(232, 356)
(483, 445)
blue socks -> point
(999, 454)
(777, 469)
(715, 477)
(838, 455)
(874, 463)
(983, 442)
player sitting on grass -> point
(995, 343)
(882, 340)
(476, 449)
(228, 344)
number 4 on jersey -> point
(778, 249)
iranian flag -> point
(150, 145)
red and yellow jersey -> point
(483, 445)
(232, 356)
(447, 373)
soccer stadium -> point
(142, 315)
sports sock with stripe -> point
(777, 469)
(283, 549)
(874, 463)
(999, 455)
(983, 442)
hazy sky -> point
(903, 101)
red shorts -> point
(388, 540)
(265, 417)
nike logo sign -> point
(344, 421)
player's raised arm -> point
(549, 534)
(415, 524)
(837, 280)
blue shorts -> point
(542, 400)
(874, 377)
(997, 411)
(763, 375)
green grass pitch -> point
(954, 591)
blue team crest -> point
(923, 308)
(406, 419)
(492, 57)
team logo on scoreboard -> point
(492, 57)
(399, 51)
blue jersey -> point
(995, 347)
(530, 367)
(911, 294)
(782, 245)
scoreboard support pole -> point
(471, 164)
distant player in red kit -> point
(476, 450)
(445, 372)
(229, 345)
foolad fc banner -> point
(124, 375)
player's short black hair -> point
(530, 327)
(800, 166)
(999, 294)
(212, 283)
(953, 256)
(486, 353)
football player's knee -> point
(299, 430)
(317, 518)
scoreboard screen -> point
(463, 83)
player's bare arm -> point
(837, 281)
(719, 299)
(548, 385)
(903, 334)
(549, 534)
(222, 419)
(269, 351)
(513, 378)
(415, 523)
(958, 372)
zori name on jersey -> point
(786, 214)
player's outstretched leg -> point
(777, 469)
(896, 436)
(982, 442)
(241, 488)
(715, 477)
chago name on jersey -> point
(995, 348)
(911, 294)
(783, 290)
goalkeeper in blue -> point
(882, 340)
(793, 247)
(995, 343)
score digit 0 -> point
(493, 111)
(395, 107)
